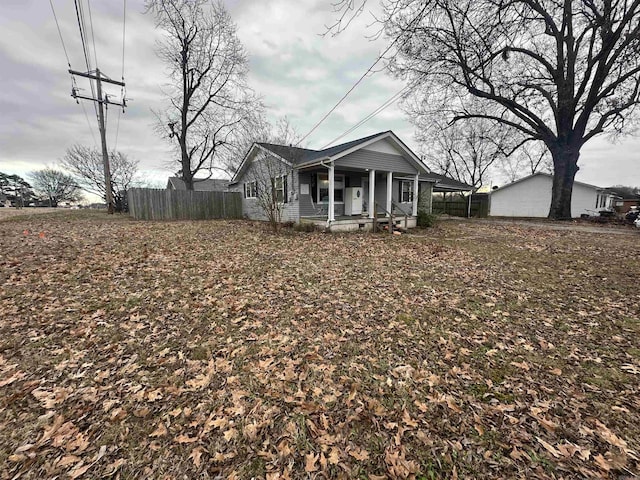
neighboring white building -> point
(531, 197)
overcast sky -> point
(299, 73)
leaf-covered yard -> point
(218, 350)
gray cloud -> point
(298, 72)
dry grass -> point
(10, 212)
(216, 349)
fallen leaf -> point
(79, 470)
(112, 468)
(196, 456)
(24, 448)
(359, 454)
(160, 431)
(602, 462)
(310, 462)
(548, 447)
(452, 405)
(185, 439)
(67, 460)
(230, 434)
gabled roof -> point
(208, 185)
(543, 174)
(301, 157)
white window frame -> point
(410, 191)
(283, 187)
(336, 177)
(251, 190)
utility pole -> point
(103, 131)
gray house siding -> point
(251, 207)
(400, 208)
(383, 162)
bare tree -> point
(559, 71)
(55, 185)
(467, 151)
(256, 128)
(208, 97)
(85, 164)
(269, 180)
(530, 158)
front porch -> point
(355, 199)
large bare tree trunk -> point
(187, 175)
(565, 167)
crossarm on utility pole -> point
(107, 102)
(95, 77)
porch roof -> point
(445, 184)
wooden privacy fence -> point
(154, 204)
(459, 207)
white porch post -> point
(331, 216)
(389, 191)
(372, 193)
(415, 195)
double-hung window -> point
(406, 191)
(280, 188)
(251, 189)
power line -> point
(124, 30)
(122, 89)
(82, 39)
(89, 124)
(93, 34)
(73, 80)
(85, 50)
(115, 144)
(355, 85)
(378, 110)
(415, 19)
(60, 33)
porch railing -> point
(406, 216)
(389, 215)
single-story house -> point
(342, 187)
(625, 199)
(624, 204)
(199, 185)
(531, 197)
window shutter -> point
(400, 184)
(285, 189)
(245, 189)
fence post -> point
(224, 205)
